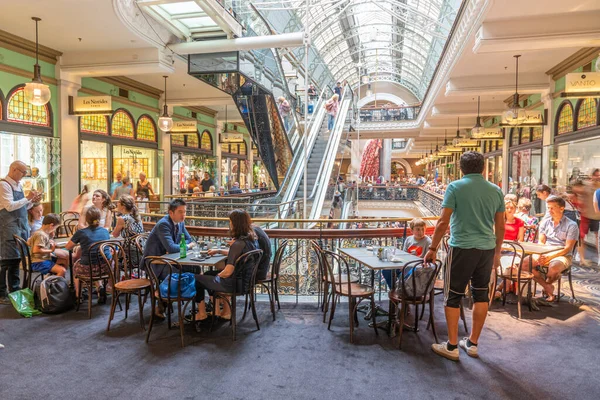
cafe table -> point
(197, 262)
(371, 261)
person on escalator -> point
(331, 106)
(284, 111)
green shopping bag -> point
(22, 301)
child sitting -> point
(417, 244)
(43, 258)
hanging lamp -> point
(37, 92)
(478, 128)
(165, 123)
(516, 115)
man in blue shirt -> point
(557, 230)
(117, 183)
(474, 210)
(166, 234)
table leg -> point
(71, 269)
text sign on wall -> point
(528, 117)
(184, 127)
(92, 104)
(581, 82)
(232, 137)
(488, 133)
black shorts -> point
(594, 225)
(462, 266)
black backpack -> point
(52, 295)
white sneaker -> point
(471, 350)
(442, 350)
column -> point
(217, 177)
(505, 161)
(355, 159)
(385, 161)
(250, 169)
(68, 126)
(548, 139)
(164, 143)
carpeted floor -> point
(550, 354)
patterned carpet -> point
(586, 284)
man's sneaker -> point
(442, 350)
(471, 350)
(4, 300)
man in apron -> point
(13, 221)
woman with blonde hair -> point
(284, 111)
(332, 106)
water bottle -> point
(182, 247)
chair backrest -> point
(25, 258)
(413, 287)
(71, 226)
(246, 267)
(96, 258)
(336, 275)
(117, 260)
(278, 258)
(162, 268)
(320, 258)
(140, 241)
(516, 255)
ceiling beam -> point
(497, 85)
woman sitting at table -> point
(35, 216)
(244, 240)
(514, 231)
(85, 237)
(531, 222)
(128, 226)
(100, 200)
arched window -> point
(97, 124)
(586, 113)
(225, 148)
(18, 110)
(514, 136)
(525, 135)
(537, 133)
(122, 125)
(178, 140)
(1, 103)
(146, 129)
(242, 149)
(565, 118)
(192, 141)
(206, 141)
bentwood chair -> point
(98, 272)
(26, 263)
(568, 272)
(70, 226)
(246, 267)
(406, 291)
(122, 281)
(340, 287)
(159, 268)
(271, 282)
(64, 216)
(513, 273)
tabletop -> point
(192, 260)
(62, 242)
(366, 257)
(536, 248)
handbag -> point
(414, 286)
(185, 280)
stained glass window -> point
(206, 141)
(146, 129)
(565, 119)
(225, 148)
(242, 149)
(122, 125)
(525, 135)
(26, 113)
(178, 140)
(537, 133)
(97, 124)
(587, 114)
(192, 140)
(514, 136)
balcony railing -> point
(384, 114)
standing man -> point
(117, 183)
(207, 182)
(38, 182)
(13, 221)
(472, 207)
(338, 90)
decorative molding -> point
(203, 110)
(130, 84)
(576, 60)
(25, 73)
(27, 47)
(119, 99)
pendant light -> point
(444, 149)
(36, 91)
(516, 115)
(457, 139)
(165, 123)
(477, 129)
(226, 126)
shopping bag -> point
(187, 282)
(22, 301)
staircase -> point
(314, 161)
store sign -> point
(91, 105)
(581, 82)
(184, 127)
(132, 151)
(232, 137)
(528, 117)
(488, 133)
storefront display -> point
(234, 166)
(525, 165)
(191, 157)
(492, 151)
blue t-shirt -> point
(597, 197)
(85, 238)
(474, 202)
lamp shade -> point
(37, 93)
(165, 123)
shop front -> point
(492, 151)
(132, 147)
(191, 156)
(525, 166)
(259, 172)
(26, 134)
(234, 164)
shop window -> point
(206, 141)
(525, 135)
(537, 133)
(122, 125)
(565, 119)
(192, 141)
(225, 148)
(587, 113)
(97, 124)
(178, 140)
(146, 129)
(20, 111)
(242, 149)
(514, 136)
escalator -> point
(314, 161)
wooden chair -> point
(95, 274)
(246, 267)
(167, 268)
(70, 226)
(342, 286)
(401, 296)
(567, 272)
(26, 263)
(522, 278)
(271, 282)
(125, 284)
(64, 216)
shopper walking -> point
(474, 210)
(331, 106)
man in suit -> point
(166, 234)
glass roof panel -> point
(183, 7)
(199, 22)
